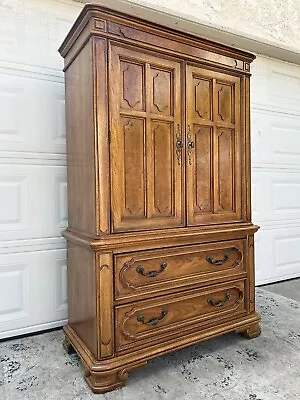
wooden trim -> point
(94, 20)
(247, 149)
(171, 238)
(146, 354)
(251, 274)
(104, 304)
(118, 16)
(102, 167)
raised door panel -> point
(161, 92)
(145, 126)
(203, 195)
(214, 147)
(133, 130)
(132, 90)
(162, 167)
(224, 171)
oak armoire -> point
(160, 239)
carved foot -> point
(102, 382)
(68, 346)
(252, 332)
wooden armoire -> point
(160, 239)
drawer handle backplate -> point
(154, 321)
(217, 262)
(215, 303)
(179, 144)
(190, 145)
(151, 274)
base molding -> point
(108, 374)
(102, 382)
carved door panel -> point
(214, 153)
(146, 147)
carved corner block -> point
(100, 24)
(247, 67)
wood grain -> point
(154, 320)
(146, 177)
(104, 298)
(214, 170)
(144, 274)
(80, 143)
(82, 294)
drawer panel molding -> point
(151, 318)
(169, 268)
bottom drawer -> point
(154, 319)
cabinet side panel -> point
(80, 142)
(82, 294)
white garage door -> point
(276, 168)
(33, 166)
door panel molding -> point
(214, 149)
(146, 167)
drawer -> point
(157, 319)
(147, 272)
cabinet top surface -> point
(99, 20)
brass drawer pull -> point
(151, 274)
(217, 262)
(190, 145)
(179, 144)
(154, 321)
(215, 303)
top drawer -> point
(147, 272)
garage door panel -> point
(31, 31)
(277, 253)
(284, 87)
(33, 201)
(32, 116)
(276, 85)
(258, 206)
(15, 288)
(14, 202)
(275, 128)
(61, 297)
(262, 260)
(276, 195)
(33, 188)
(32, 290)
(276, 139)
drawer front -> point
(149, 271)
(157, 318)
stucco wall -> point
(275, 21)
(268, 25)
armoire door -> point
(146, 140)
(214, 153)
